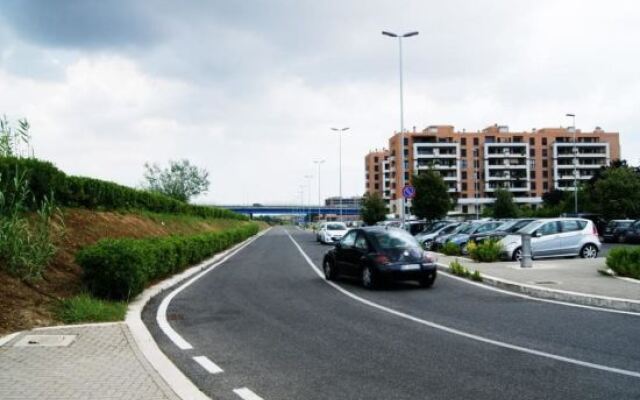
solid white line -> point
(161, 314)
(247, 394)
(6, 339)
(208, 365)
(528, 297)
(454, 331)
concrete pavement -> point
(574, 280)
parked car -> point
(331, 232)
(632, 235)
(555, 237)
(440, 240)
(414, 227)
(461, 238)
(433, 226)
(390, 223)
(501, 231)
(597, 219)
(616, 230)
(426, 239)
(374, 254)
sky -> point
(250, 89)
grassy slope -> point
(25, 305)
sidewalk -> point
(101, 362)
(574, 280)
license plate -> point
(410, 267)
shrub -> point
(625, 261)
(84, 308)
(459, 270)
(45, 180)
(121, 268)
(451, 249)
(486, 251)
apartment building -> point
(475, 164)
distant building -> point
(475, 164)
(350, 202)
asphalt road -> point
(273, 326)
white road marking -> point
(524, 296)
(208, 365)
(6, 339)
(247, 394)
(454, 331)
(161, 314)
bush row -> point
(625, 261)
(485, 251)
(72, 191)
(120, 269)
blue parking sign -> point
(408, 192)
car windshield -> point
(336, 227)
(514, 226)
(532, 227)
(619, 224)
(467, 228)
(395, 239)
(486, 227)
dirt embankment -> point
(25, 305)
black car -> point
(374, 254)
(616, 230)
(632, 235)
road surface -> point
(263, 323)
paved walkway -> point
(572, 275)
(102, 362)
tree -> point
(504, 206)
(553, 198)
(432, 200)
(616, 192)
(373, 209)
(180, 180)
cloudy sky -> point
(250, 89)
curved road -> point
(273, 326)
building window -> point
(544, 141)
(376, 168)
(475, 141)
(464, 186)
(406, 141)
(377, 186)
(532, 163)
(532, 141)
(532, 174)
(476, 164)
(532, 152)
(463, 152)
(465, 209)
(376, 177)
(533, 186)
(545, 186)
(544, 152)
(545, 163)
(463, 141)
(463, 163)
(375, 159)
(464, 175)
(545, 174)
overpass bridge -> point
(260, 209)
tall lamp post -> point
(402, 179)
(340, 132)
(308, 178)
(319, 164)
(575, 164)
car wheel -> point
(517, 254)
(427, 281)
(330, 271)
(369, 278)
(589, 251)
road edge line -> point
(175, 379)
(453, 331)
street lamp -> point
(340, 132)
(400, 37)
(308, 178)
(301, 193)
(319, 163)
(575, 164)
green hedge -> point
(486, 251)
(73, 191)
(625, 261)
(120, 269)
(451, 249)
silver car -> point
(555, 237)
(426, 239)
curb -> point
(583, 299)
(172, 376)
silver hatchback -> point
(555, 237)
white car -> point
(555, 237)
(331, 232)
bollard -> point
(526, 260)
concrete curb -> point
(172, 376)
(584, 299)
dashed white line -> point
(454, 331)
(246, 394)
(208, 365)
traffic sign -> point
(408, 192)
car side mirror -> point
(537, 234)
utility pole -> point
(340, 132)
(319, 164)
(575, 164)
